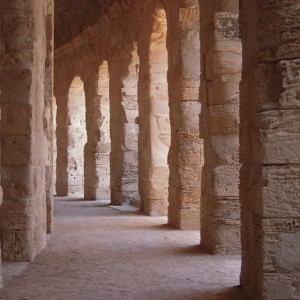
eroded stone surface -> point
(269, 152)
(221, 72)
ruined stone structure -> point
(185, 108)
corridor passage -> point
(98, 252)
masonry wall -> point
(22, 67)
(269, 152)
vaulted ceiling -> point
(73, 16)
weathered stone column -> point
(48, 113)
(117, 131)
(270, 149)
(186, 152)
(98, 146)
(221, 72)
(71, 136)
(154, 120)
(124, 127)
(77, 137)
(61, 96)
(1, 200)
(22, 57)
(54, 115)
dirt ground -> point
(98, 252)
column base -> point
(185, 219)
(97, 194)
(155, 208)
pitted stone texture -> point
(154, 120)
(77, 137)
(98, 146)
(125, 130)
(23, 159)
(269, 188)
(221, 73)
(48, 112)
(186, 152)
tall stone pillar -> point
(270, 156)
(117, 119)
(154, 120)
(77, 137)
(48, 112)
(98, 146)
(54, 115)
(1, 200)
(221, 54)
(61, 184)
(186, 152)
(124, 127)
(22, 57)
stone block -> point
(223, 181)
(8, 238)
(15, 119)
(225, 62)
(222, 149)
(279, 188)
(155, 207)
(278, 38)
(17, 214)
(279, 286)
(16, 37)
(189, 115)
(274, 139)
(17, 182)
(189, 219)
(24, 247)
(9, 92)
(222, 240)
(222, 119)
(224, 92)
(226, 26)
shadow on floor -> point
(234, 293)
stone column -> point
(1, 200)
(154, 120)
(48, 113)
(124, 113)
(186, 152)
(77, 137)
(98, 146)
(54, 115)
(61, 96)
(221, 72)
(125, 189)
(117, 131)
(22, 57)
(270, 155)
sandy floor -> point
(100, 253)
